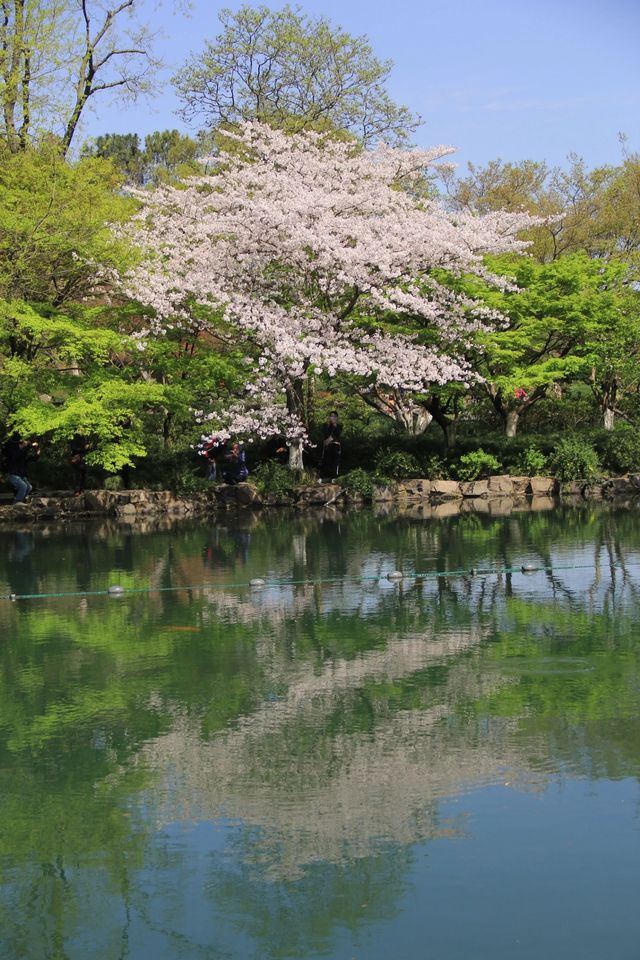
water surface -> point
(333, 765)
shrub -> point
(574, 459)
(275, 478)
(478, 464)
(436, 468)
(113, 483)
(358, 482)
(529, 463)
(396, 465)
(622, 449)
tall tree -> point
(58, 55)
(293, 71)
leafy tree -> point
(573, 318)
(57, 56)
(292, 71)
(56, 244)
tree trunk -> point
(413, 419)
(511, 418)
(609, 418)
(295, 455)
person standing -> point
(17, 456)
(331, 447)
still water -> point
(332, 766)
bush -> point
(529, 463)
(436, 468)
(358, 482)
(622, 450)
(396, 465)
(113, 483)
(574, 459)
(275, 478)
(476, 465)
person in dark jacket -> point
(17, 455)
(234, 467)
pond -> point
(332, 765)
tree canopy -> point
(291, 71)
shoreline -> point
(496, 496)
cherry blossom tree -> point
(313, 251)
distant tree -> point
(291, 71)
(166, 155)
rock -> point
(475, 488)
(619, 487)
(445, 490)
(318, 496)
(521, 485)
(542, 486)
(238, 495)
(100, 501)
(419, 489)
(383, 494)
(573, 488)
(501, 485)
(126, 511)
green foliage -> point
(109, 415)
(396, 465)
(358, 482)
(274, 478)
(436, 468)
(477, 464)
(530, 462)
(574, 459)
(113, 483)
(166, 155)
(56, 243)
(622, 449)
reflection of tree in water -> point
(328, 718)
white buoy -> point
(115, 590)
(528, 568)
(395, 575)
(256, 582)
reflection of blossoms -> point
(296, 240)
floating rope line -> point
(393, 576)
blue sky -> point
(494, 78)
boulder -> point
(383, 494)
(419, 489)
(445, 490)
(238, 495)
(320, 495)
(475, 488)
(501, 485)
(542, 486)
(521, 485)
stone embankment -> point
(496, 495)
